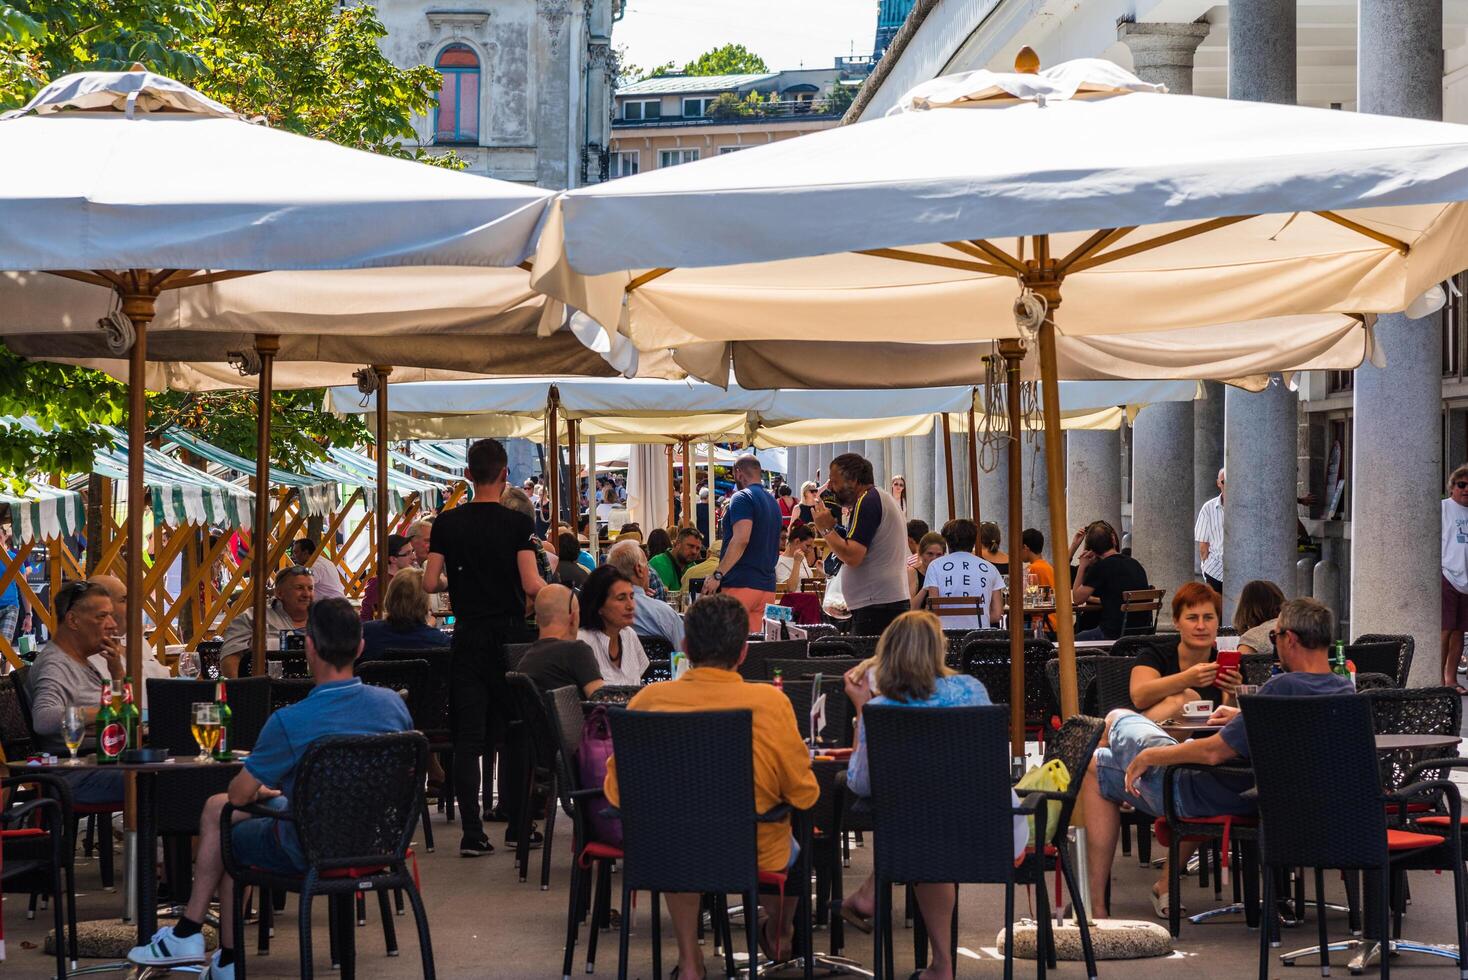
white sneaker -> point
(166, 949)
(213, 971)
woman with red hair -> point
(1165, 677)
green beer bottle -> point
(111, 736)
(226, 725)
(132, 718)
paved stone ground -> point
(486, 924)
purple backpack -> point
(596, 749)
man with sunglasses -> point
(294, 590)
(1455, 575)
(400, 555)
(62, 677)
(1128, 767)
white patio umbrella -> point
(131, 198)
(1144, 211)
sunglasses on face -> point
(1461, 485)
(73, 592)
(1275, 635)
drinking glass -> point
(188, 664)
(275, 669)
(206, 729)
(73, 730)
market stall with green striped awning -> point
(40, 513)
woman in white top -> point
(608, 604)
(796, 557)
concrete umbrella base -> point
(111, 939)
(1112, 939)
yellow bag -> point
(1052, 777)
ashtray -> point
(139, 757)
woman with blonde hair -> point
(908, 671)
(405, 626)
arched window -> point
(456, 120)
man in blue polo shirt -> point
(1129, 765)
(751, 537)
(339, 704)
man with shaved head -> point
(152, 666)
(557, 658)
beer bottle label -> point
(112, 740)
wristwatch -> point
(717, 576)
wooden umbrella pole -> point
(948, 463)
(672, 490)
(553, 458)
(266, 345)
(139, 307)
(573, 485)
(1064, 617)
(973, 463)
(382, 371)
(687, 488)
(1013, 352)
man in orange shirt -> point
(717, 633)
(1032, 542)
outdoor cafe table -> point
(145, 873)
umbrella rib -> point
(198, 278)
(1361, 229)
(1101, 239)
(999, 255)
(1181, 234)
(942, 261)
(90, 278)
(647, 277)
(977, 250)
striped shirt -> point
(1209, 528)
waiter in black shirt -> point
(483, 553)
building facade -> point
(1367, 451)
(527, 84)
(673, 119)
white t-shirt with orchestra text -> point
(963, 573)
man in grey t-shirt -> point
(873, 550)
(62, 678)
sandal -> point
(1462, 691)
(859, 921)
(1159, 905)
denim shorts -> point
(1130, 734)
(267, 843)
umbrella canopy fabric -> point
(41, 512)
(1162, 212)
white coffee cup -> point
(1197, 709)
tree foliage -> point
(309, 66)
(729, 59)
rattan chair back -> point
(1114, 684)
(1377, 657)
(287, 691)
(434, 720)
(1132, 646)
(937, 817)
(407, 677)
(15, 734)
(797, 669)
(1085, 680)
(683, 769)
(1320, 797)
(752, 668)
(656, 647)
(1073, 744)
(844, 646)
(170, 711)
(988, 661)
(1405, 645)
(357, 798)
(1416, 711)
(657, 670)
(1256, 668)
(839, 730)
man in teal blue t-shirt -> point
(751, 536)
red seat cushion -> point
(1439, 821)
(87, 809)
(23, 832)
(1405, 840)
(1164, 833)
(775, 879)
(595, 850)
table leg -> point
(144, 867)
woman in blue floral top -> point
(908, 670)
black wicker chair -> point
(1256, 668)
(1375, 658)
(839, 730)
(1322, 806)
(694, 769)
(796, 669)
(15, 734)
(1417, 711)
(563, 707)
(208, 651)
(934, 821)
(656, 647)
(513, 653)
(98, 815)
(1134, 645)
(1114, 683)
(410, 678)
(657, 670)
(1405, 646)
(1073, 744)
(538, 745)
(752, 668)
(860, 647)
(1374, 682)
(378, 779)
(988, 661)
(434, 720)
(286, 691)
(37, 836)
(1085, 681)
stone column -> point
(1036, 487)
(875, 450)
(1163, 52)
(1260, 438)
(1162, 495)
(1398, 475)
(1207, 442)
(1093, 480)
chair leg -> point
(266, 924)
(71, 939)
(427, 829)
(1144, 845)
(361, 904)
(89, 843)
(919, 930)
(238, 913)
(1320, 915)
(333, 940)
(347, 939)
(1352, 882)
(1174, 892)
(1044, 941)
(58, 901)
(1078, 905)
(389, 931)
(397, 901)
(751, 930)
(571, 910)
(881, 919)
(1265, 927)
(104, 853)
(655, 924)
(1009, 928)
(1384, 922)
(726, 933)
(625, 937)
(545, 847)
(303, 917)
(601, 898)
(425, 941)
